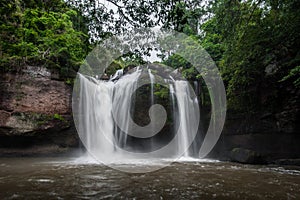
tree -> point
(114, 17)
(259, 42)
(33, 33)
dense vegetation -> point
(255, 43)
(38, 33)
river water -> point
(66, 178)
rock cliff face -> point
(35, 113)
(264, 137)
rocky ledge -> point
(35, 113)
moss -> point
(58, 116)
(69, 81)
(33, 119)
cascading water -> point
(152, 81)
(104, 111)
(186, 115)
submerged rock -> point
(295, 162)
(245, 156)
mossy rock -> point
(246, 156)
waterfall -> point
(187, 115)
(152, 81)
(100, 104)
(96, 122)
(117, 75)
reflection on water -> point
(55, 178)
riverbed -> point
(66, 178)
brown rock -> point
(34, 109)
(22, 93)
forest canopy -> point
(44, 34)
(255, 43)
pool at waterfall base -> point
(84, 178)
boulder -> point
(245, 156)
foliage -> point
(36, 34)
(293, 74)
(161, 91)
(111, 17)
(253, 42)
